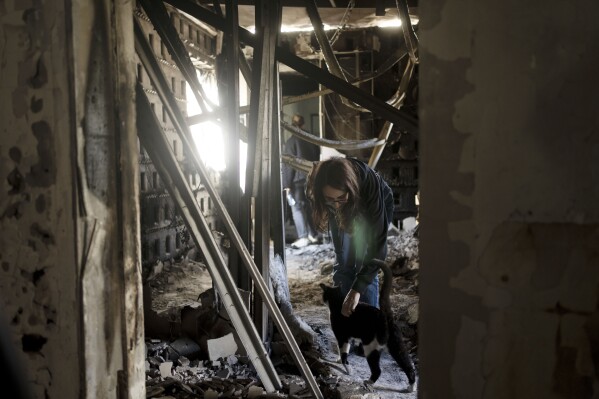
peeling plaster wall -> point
(37, 246)
(70, 287)
(510, 199)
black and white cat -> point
(373, 327)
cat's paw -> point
(368, 382)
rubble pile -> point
(403, 252)
(183, 378)
(171, 375)
(405, 265)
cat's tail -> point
(385, 294)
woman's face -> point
(334, 197)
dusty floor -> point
(178, 285)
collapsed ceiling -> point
(349, 14)
(296, 18)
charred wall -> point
(69, 281)
(509, 217)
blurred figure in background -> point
(294, 183)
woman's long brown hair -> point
(340, 174)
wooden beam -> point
(259, 140)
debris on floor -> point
(185, 324)
(170, 374)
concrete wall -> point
(510, 199)
(38, 250)
(70, 266)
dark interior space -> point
(299, 199)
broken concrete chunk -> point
(165, 369)
(186, 347)
(232, 360)
(156, 346)
(254, 392)
(186, 388)
(222, 347)
(156, 270)
(224, 373)
(183, 361)
(294, 388)
(210, 394)
(326, 267)
(413, 313)
(332, 380)
(155, 361)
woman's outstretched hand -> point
(350, 303)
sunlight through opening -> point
(207, 136)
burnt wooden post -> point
(231, 123)
(276, 197)
(258, 175)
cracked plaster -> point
(510, 236)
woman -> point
(356, 205)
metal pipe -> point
(408, 30)
(347, 145)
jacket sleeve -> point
(371, 228)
